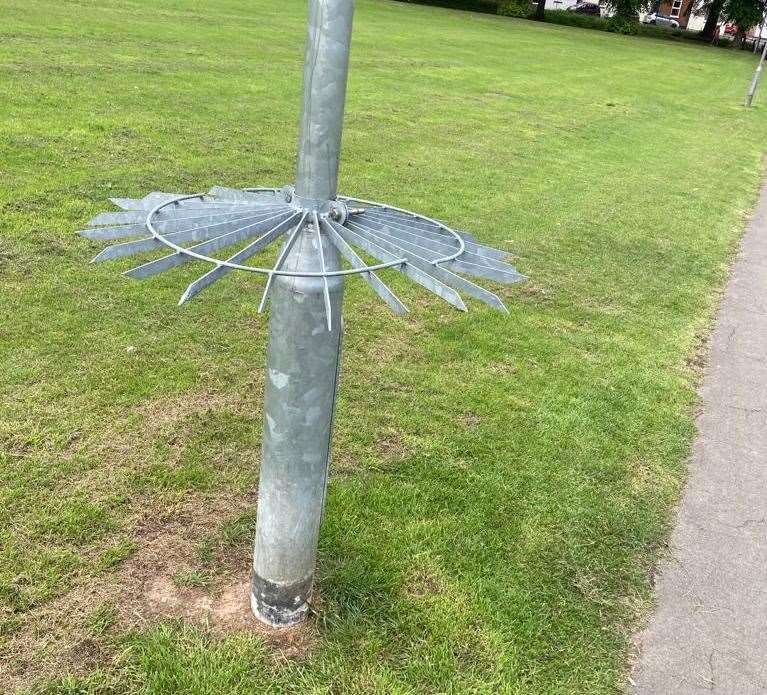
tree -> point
(540, 11)
(625, 20)
(744, 14)
(713, 11)
(514, 8)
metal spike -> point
(240, 257)
(218, 242)
(473, 240)
(414, 273)
(435, 233)
(280, 260)
(127, 203)
(223, 193)
(156, 197)
(442, 248)
(150, 202)
(195, 233)
(138, 216)
(115, 218)
(163, 226)
(507, 277)
(195, 209)
(411, 219)
(414, 244)
(111, 233)
(325, 289)
(379, 287)
(425, 265)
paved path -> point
(709, 634)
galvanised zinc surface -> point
(305, 285)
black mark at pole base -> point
(280, 605)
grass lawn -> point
(502, 485)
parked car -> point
(661, 20)
(585, 8)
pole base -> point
(278, 618)
(279, 606)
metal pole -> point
(304, 349)
(757, 75)
(306, 285)
(326, 64)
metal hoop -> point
(289, 273)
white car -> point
(661, 20)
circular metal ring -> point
(444, 227)
(304, 214)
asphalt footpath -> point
(709, 630)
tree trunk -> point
(540, 11)
(712, 19)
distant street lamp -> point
(757, 76)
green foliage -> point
(606, 24)
(514, 8)
(113, 556)
(102, 619)
(574, 19)
(743, 13)
(193, 579)
(625, 19)
(74, 520)
(619, 24)
(485, 6)
(656, 32)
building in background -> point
(681, 11)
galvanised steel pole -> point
(306, 285)
(326, 65)
(757, 75)
(304, 349)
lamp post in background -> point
(757, 76)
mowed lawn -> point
(502, 486)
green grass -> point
(502, 484)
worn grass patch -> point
(502, 484)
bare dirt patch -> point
(469, 420)
(59, 638)
(391, 445)
(163, 533)
(424, 581)
(527, 291)
(505, 369)
(224, 612)
(697, 360)
(161, 413)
